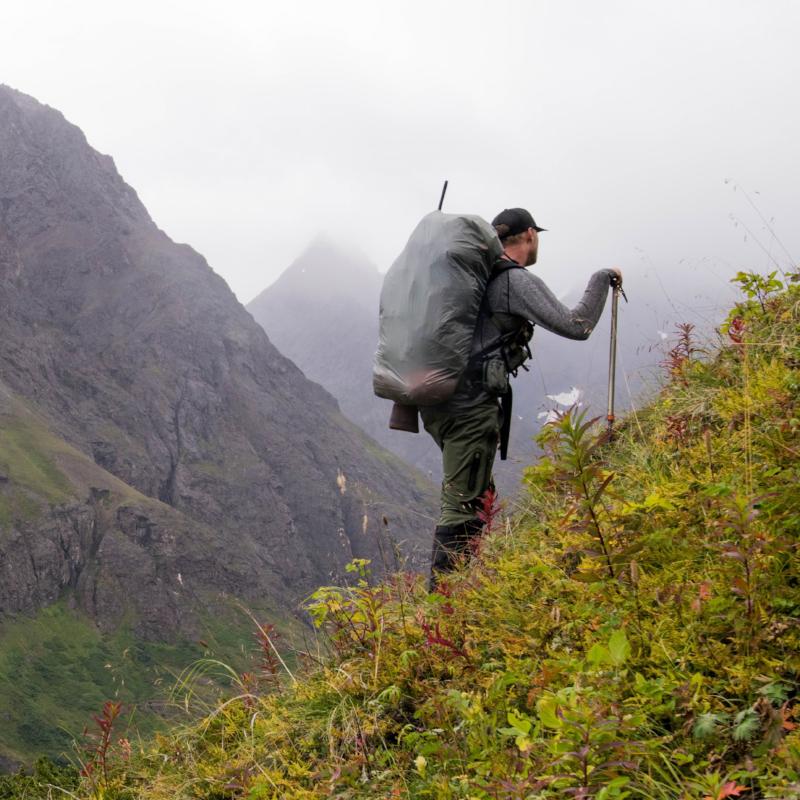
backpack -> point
(429, 306)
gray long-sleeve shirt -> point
(517, 296)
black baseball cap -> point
(511, 221)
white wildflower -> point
(567, 399)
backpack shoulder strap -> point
(502, 265)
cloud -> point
(248, 128)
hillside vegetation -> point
(57, 665)
(634, 633)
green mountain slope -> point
(62, 531)
(636, 633)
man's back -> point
(514, 298)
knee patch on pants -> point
(468, 452)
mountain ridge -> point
(129, 349)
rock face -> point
(155, 447)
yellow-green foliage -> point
(634, 633)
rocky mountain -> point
(322, 312)
(156, 449)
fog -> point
(660, 137)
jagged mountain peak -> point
(328, 267)
(52, 176)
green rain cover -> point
(429, 306)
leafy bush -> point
(633, 632)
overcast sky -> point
(249, 127)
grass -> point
(26, 458)
(633, 632)
(57, 669)
(43, 470)
(17, 503)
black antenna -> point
(441, 199)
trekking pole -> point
(441, 199)
(612, 355)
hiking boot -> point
(450, 542)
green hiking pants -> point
(468, 441)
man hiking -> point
(470, 425)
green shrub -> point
(631, 632)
